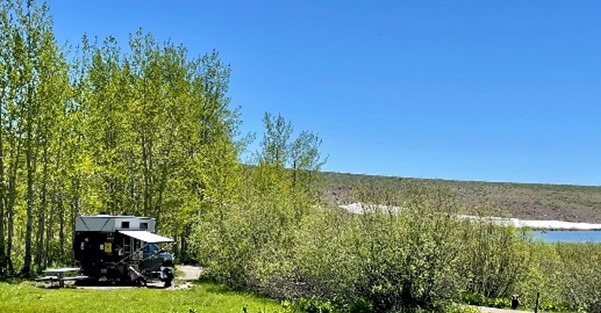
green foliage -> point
(316, 305)
(249, 240)
(566, 275)
(499, 259)
(480, 300)
(147, 132)
(408, 259)
(361, 306)
(581, 275)
(551, 306)
(415, 254)
(312, 305)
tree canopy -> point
(145, 129)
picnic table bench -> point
(54, 275)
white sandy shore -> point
(543, 224)
(359, 208)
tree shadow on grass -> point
(13, 280)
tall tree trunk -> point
(56, 211)
(184, 242)
(39, 257)
(61, 228)
(147, 172)
(9, 243)
(49, 255)
(3, 264)
(29, 103)
(10, 203)
(182, 249)
(12, 195)
(74, 210)
(29, 204)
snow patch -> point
(360, 208)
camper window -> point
(124, 224)
(150, 249)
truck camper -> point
(122, 247)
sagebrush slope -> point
(526, 201)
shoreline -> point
(358, 208)
(539, 224)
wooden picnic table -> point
(58, 275)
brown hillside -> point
(525, 201)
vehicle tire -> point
(168, 280)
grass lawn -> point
(203, 297)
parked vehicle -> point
(121, 247)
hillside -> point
(525, 201)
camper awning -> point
(145, 236)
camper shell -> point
(108, 245)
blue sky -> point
(467, 90)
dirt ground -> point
(187, 274)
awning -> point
(145, 236)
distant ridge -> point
(534, 201)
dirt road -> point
(189, 272)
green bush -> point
(313, 305)
(409, 259)
(582, 275)
(361, 306)
(413, 255)
(566, 275)
(449, 307)
(481, 300)
(496, 260)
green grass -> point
(203, 297)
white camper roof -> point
(145, 236)
(113, 223)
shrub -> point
(361, 306)
(313, 305)
(414, 254)
(582, 275)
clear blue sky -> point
(468, 90)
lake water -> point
(581, 236)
